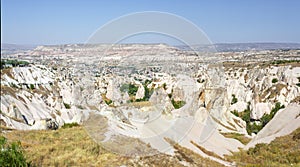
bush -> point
(130, 88)
(274, 80)
(276, 62)
(67, 106)
(31, 86)
(124, 88)
(148, 93)
(70, 125)
(177, 104)
(252, 127)
(164, 86)
(108, 101)
(234, 99)
(13, 63)
(80, 107)
(236, 113)
(11, 155)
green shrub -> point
(200, 80)
(67, 105)
(164, 86)
(252, 127)
(14, 63)
(124, 88)
(70, 125)
(285, 61)
(177, 104)
(32, 86)
(108, 101)
(13, 85)
(298, 84)
(11, 154)
(234, 99)
(236, 113)
(130, 88)
(80, 107)
(148, 93)
(274, 80)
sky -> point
(223, 21)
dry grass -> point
(194, 159)
(283, 151)
(219, 122)
(74, 147)
(237, 136)
(210, 153)
(64, 147)
(7, 71)
(271, 92)
(296, 100)
(141, 104)
(7, 90)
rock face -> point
(256, 86)
(31, 94)
(140, 93)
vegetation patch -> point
(251, 125)
(237, 136)
(63, 147)
(132, 89)
(106, 100)
(74, 147)
(267, 117)
(277, 62)
(68, 106)
(13, 63)
(234, 99)
(298, 84)
(70, 125)
(274, 80)
(80, 107)
(207, 152)
(11, 154)
(32, 86)
(177, 104)
(283, 151)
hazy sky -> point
(73, 21)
